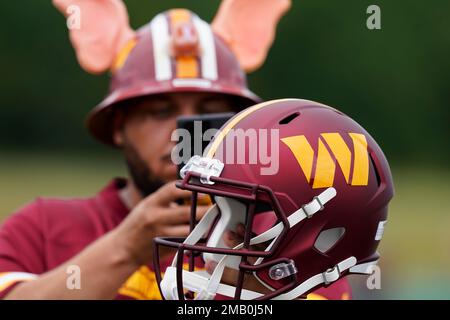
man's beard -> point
(144, 179)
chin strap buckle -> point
(318, 202)
(331, 275)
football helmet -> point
(319, 216)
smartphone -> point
(195, 126)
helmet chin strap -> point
(207, 287)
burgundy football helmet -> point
(317, 215)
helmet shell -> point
(319, 147)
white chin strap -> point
(207, 286)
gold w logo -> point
(325, 166)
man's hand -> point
(108, 262)
(155, 216)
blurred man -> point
(177, 65)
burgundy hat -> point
(160, 62)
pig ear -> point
(98, 29)
(248, 26)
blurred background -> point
(394, 81)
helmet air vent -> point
(289, 118)
(374, 165)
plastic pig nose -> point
(185, 40)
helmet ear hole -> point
(327, 239)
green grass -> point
(25, 177)
(415, 248)
(419, 218)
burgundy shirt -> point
(47, 232)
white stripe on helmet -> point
(161, 52)
(208, 49)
